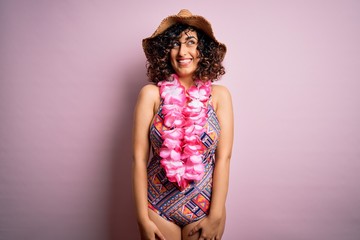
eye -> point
(191, 42)
(175, 44)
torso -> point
(166, 198)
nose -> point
(183, 49)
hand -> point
(149, 231)
(210, 228)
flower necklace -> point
(185, 115)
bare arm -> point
(143, 115)
(224, 112)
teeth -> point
(184, 60)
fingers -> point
(194, 230)
(205, 232)
(203, 235)
(159, 234)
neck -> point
(187, 82)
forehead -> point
(187, 34)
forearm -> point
(220, 187)
(140, 190)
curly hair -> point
(158, 49)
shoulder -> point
(220, 95)
(149, 97)
(149, 89)
(220, 91)
(223, 106)
(149, 92)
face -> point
(184, 55)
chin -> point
(185, 73)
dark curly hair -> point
(157, 52)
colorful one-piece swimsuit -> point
(166, 198)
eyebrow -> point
(189, 37)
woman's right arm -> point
(143, 115)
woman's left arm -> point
(212, 226)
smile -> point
(184, 61)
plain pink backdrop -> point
(70, 73)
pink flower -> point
(183, 183)
(196, 103)
(195, 172)
(196, 159)
(201, 93)
(193, 129)
(195, 112)
(192, 149)
(191, 138)
(200, 116)
(166, 153)
(172, 143)
(186, 115)
(172, 165)
(173, 94)
(176, 133)
(174, 119)
(170, 108)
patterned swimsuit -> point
(181, 206)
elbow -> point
(228, 157)
(223, 160)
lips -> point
(184, 61)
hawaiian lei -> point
(185, 115)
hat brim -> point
(196, 21)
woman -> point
(180, 192)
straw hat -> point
(186, 17)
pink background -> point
(70, 73)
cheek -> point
(197, 56)
(196, 53)
(172, 56)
